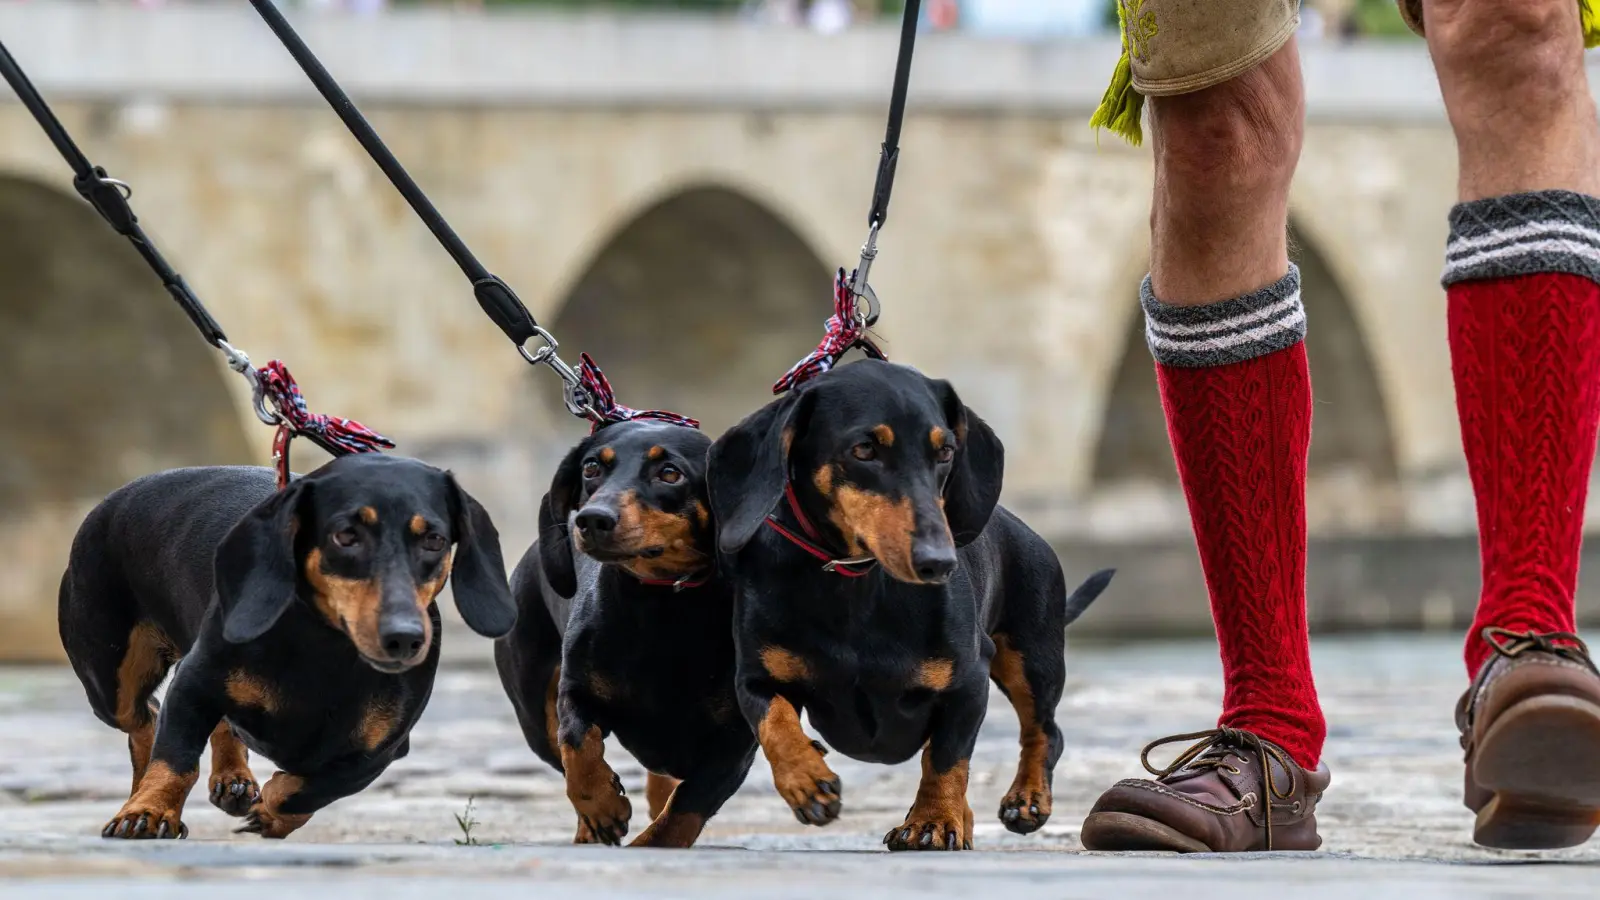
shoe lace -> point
(1512, 644)
(1212, 749)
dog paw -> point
(810, 788)
(234, 792)
(138, 820)
(1024, 812)
(603, 819)
(917, 833)
(269, 824)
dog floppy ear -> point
(555, 552)
(478, 574)
(555, 542)
(254, 567)
(973, 488)
(748, 466)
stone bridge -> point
(671, 195)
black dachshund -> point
(879, 588)
(631, 636)
(305, 620)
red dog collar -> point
(850, 568)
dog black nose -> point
(934, 564)
(402, 640)
(596, 522)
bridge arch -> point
(105, 380)
(1352, 481)
(696, 303)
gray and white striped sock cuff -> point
(1232, 331)
(1523, 234)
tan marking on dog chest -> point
(784, 665)
(936, 674)
(251, 692)
(378, 723)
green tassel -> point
(1122, 106)
(1589, 15)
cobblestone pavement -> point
(1392, 822)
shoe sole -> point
(1125, 831)
(1541, 761)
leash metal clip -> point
(577, 400)
(239, 362)
(859, 285)
(833, 564)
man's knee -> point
(1244, 133)
(1489, 35)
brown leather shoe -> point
(1209, 800)
(1530, 724)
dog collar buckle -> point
(836, 565)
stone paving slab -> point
(1392, 822)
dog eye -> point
(434, 542)
(346, 538)
(864, 451)
(670, 474)
(591, 469)
(946, 453)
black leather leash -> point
(497, 299)
(110, 198)
(888, 158)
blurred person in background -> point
(1225, 323)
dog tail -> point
(1086, 593)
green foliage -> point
(466, 823)
(1380, 18)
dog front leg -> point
(592, 785)
(188, 717)
(805, 782)
(288, 801)
(940, 818)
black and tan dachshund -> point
(304, 618)
(631, 636)
(879, 588)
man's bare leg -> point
(1524, 309)
(1225, 323)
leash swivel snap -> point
(239, 362)
(860, 287)
(573, 393)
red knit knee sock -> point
(1525, 348)
(1237, 396)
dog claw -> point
(950, 840)
(927, 836)
(1010, 815)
